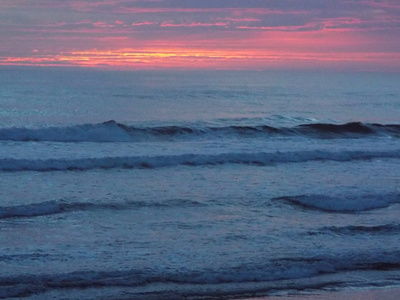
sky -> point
(202, 34)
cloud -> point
(144, 23)
(199, 58)
(311, 30)
(193, 24)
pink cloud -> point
(156, 10)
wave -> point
(345, 204)
(294, 274)
(112, 131)
(30, 210)
(153, 162)
(57, 207)
(341, 204)
(353, 229)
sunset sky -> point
(205, 34)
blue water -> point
(180, 185)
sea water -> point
(197, 184)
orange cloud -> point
(203, 58)
(102, 25)
(168, 24)
(144, 23)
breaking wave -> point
(342, 204)
(112, 131)
(153, 162)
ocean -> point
(197, 184)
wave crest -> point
(112, 131)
